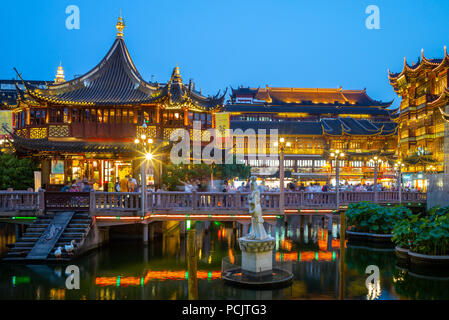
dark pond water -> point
(128, 270)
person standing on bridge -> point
(124, 184)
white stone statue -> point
(257, 229)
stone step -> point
(62, 244)
(82, 214)
(78, 225)
(17, 253)
(30, 238)
(71, 237)
(75, 229)
(36, 228)
(83, 221)
(20, 249)
(12, 259)
(32, 233)
(25, 244)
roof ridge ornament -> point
(176, 75)
(120, 25)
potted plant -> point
(424, 241)
(372, 222)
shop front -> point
(101, 172)
(416, 181)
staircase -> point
(77, 229)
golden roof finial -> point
(60, 78)
(120, 25)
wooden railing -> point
(120, 202)
(18, 200)
(269, 200)
(116, 201)
(66, 201)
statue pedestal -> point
(257, 256)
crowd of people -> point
(228, 186)
(126, 184)
(129, 184)
(78, 186)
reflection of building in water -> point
(171, 238)
(7, 236)
(152, 275)
(306, 256)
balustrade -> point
(102, 202)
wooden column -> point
(45, 171)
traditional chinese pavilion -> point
(85, 127)
(316, 121)
(422, 86)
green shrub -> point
(16, 173)
(373, 218)
(426, 235)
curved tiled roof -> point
(334, 127)
(311, 109)
(36, 145)
(311, 96)
(116, 81)
(422, 63)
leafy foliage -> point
(16, 173)
(373, 218)
(426, 235)
(172, 173)
(231, 171)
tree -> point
(173, 173)
(16, 173)
(234, 170)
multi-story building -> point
(315, 122)
(85, 127)
(421, 132)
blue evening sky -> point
(290, 43)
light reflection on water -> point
(127, 270)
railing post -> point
(41, 201)
(150, 201)
(194, 200)
(10, 199)
(92, 202)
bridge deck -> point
(21, 205)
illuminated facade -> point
(85, 127)
(315, 122)
(421, 132)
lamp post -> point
(337, 156)
(144, 144)
(282, 145)
(398, 167)
(376, 161)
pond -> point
(128, 270)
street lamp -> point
(145, 145)
(376, 161)
(282, 145)
(337, 155)
(398, 167)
